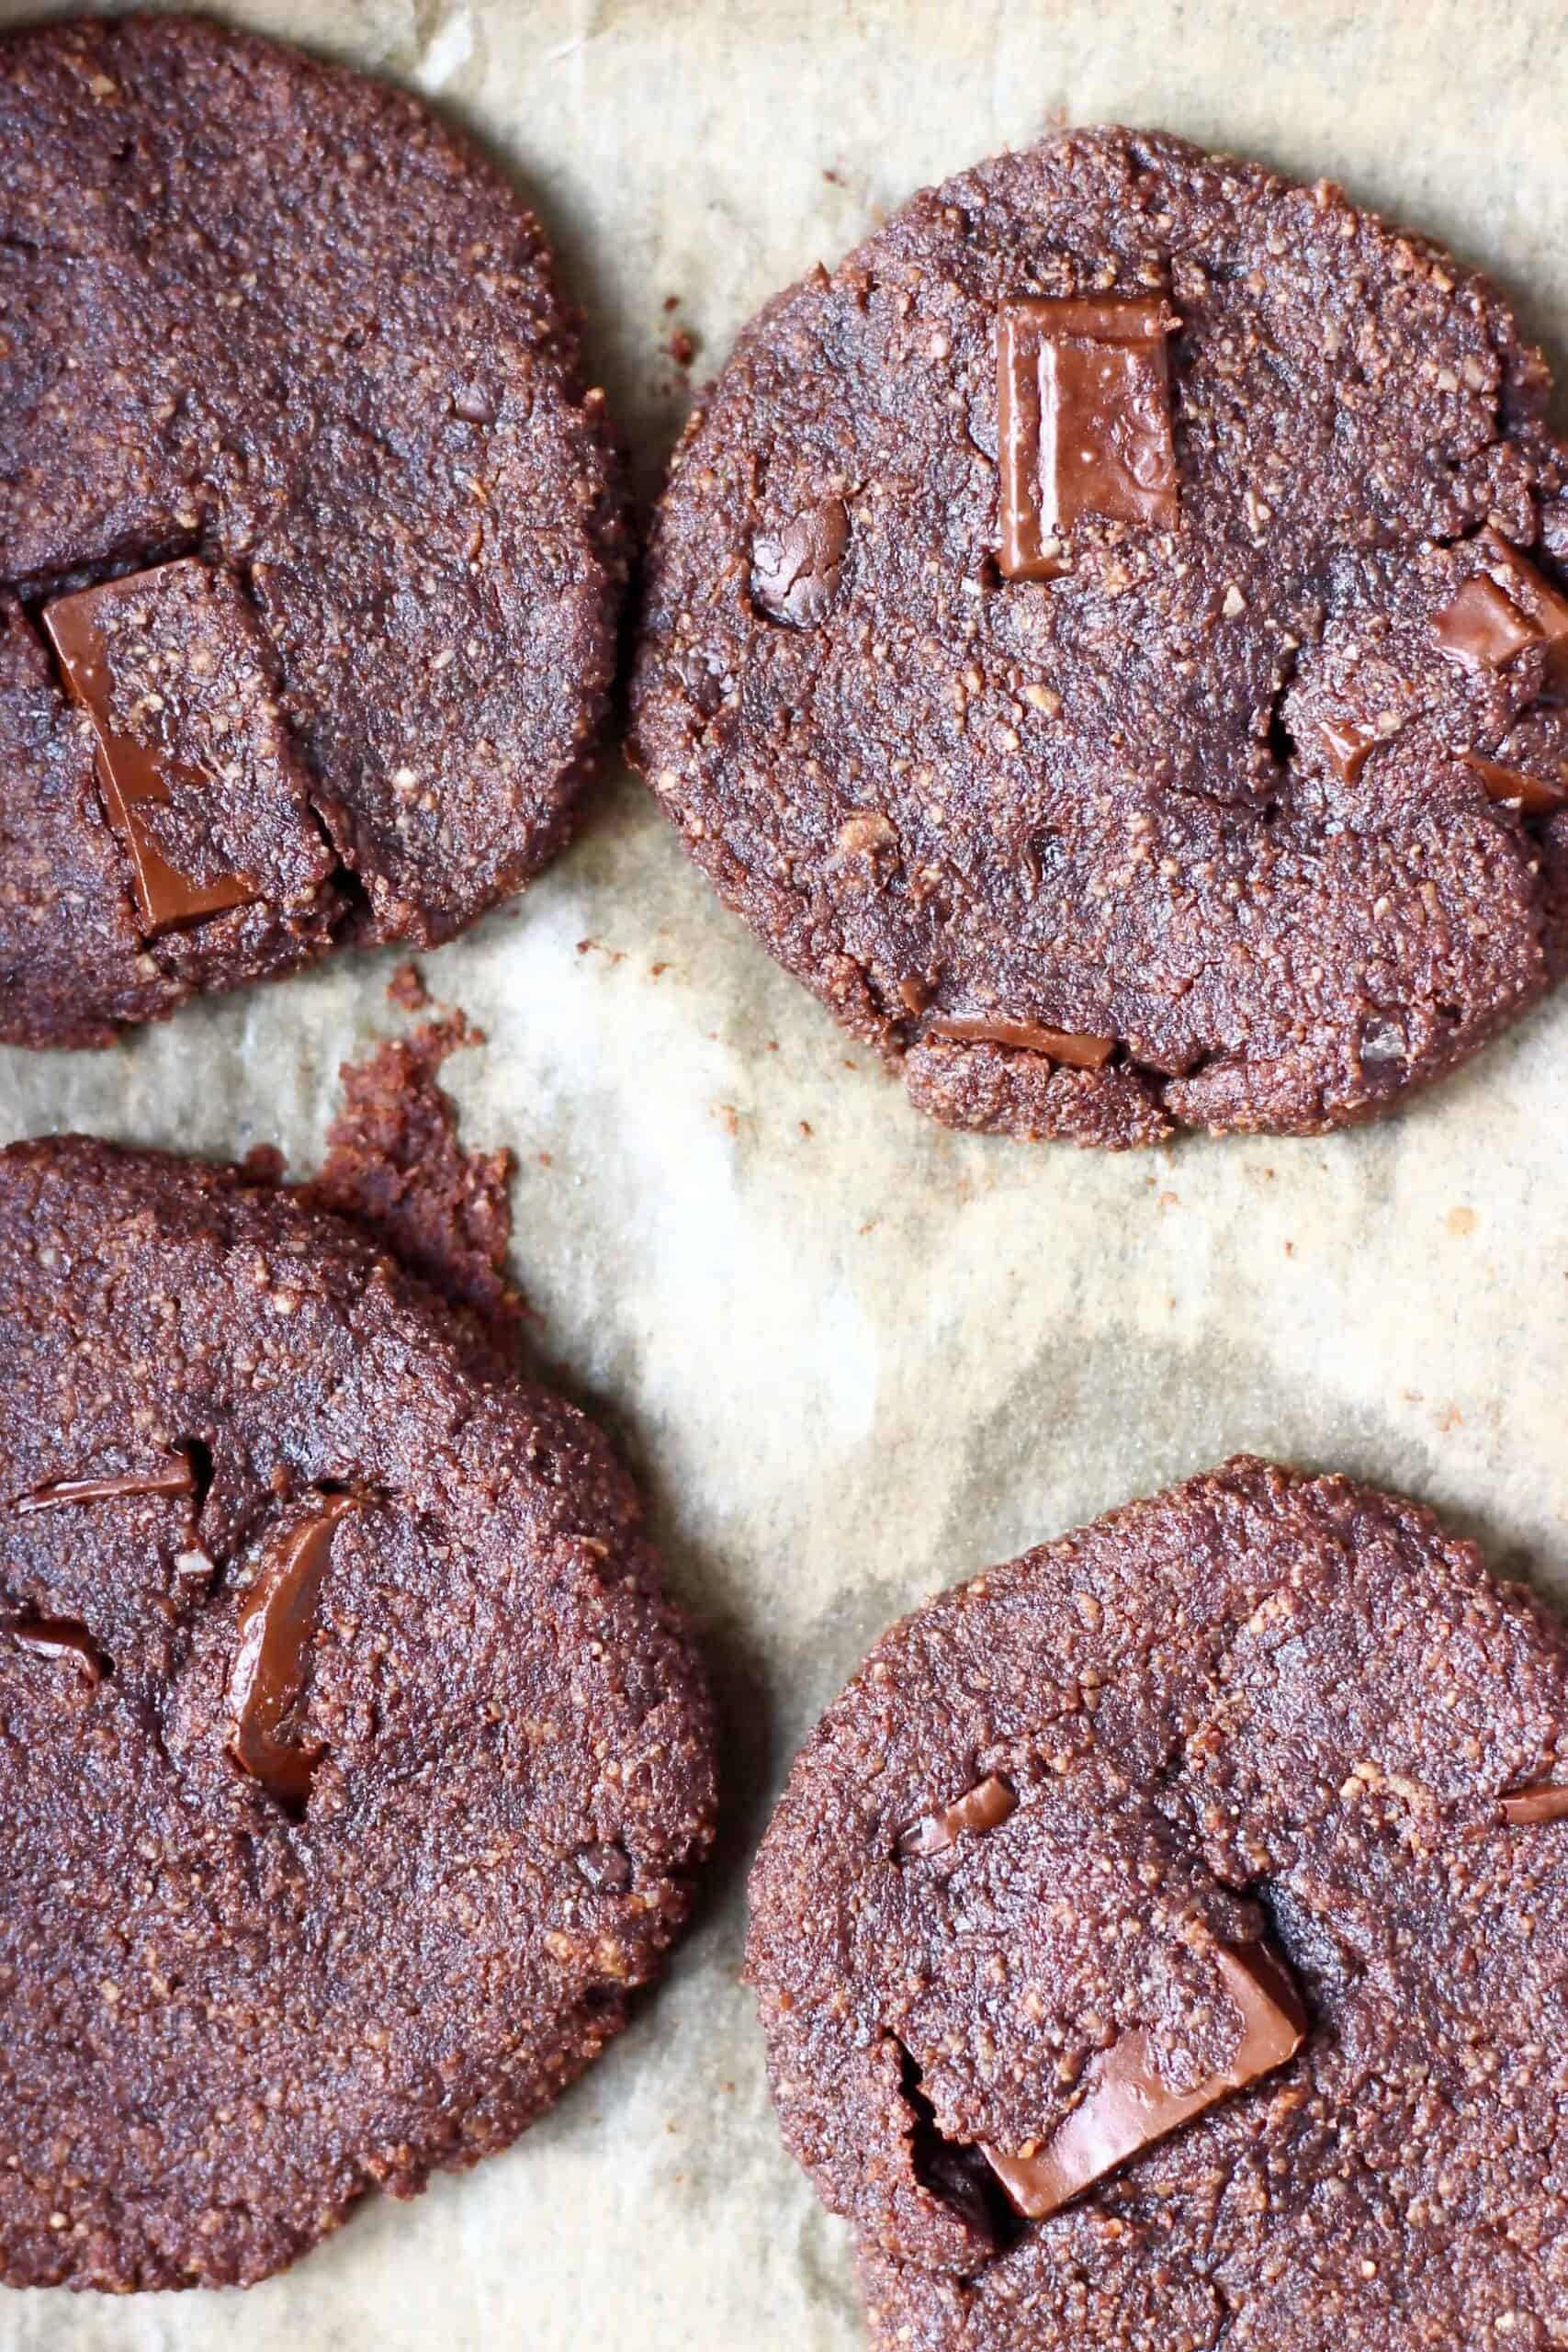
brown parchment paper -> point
(852, 1357)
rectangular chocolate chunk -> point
(1534, 796)
(1531, 1808)
(194, 762)
(1127, 2107)
(985, 1806)
(1083, 422)
(1072, 1047)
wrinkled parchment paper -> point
(854, 1358)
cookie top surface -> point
(1148, 1955)
(354, 1767)
(1046, 648)
(287, 388)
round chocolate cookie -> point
(1163, 1941)
(1106, 640)
(354, 1768)
(311, 544)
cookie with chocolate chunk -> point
(354, 1767)
(1164, 1939)
(311, 545)
(1106, 638)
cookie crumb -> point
(395, 1166)
(406, 989)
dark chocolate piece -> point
(58, 1637)
(1083, 422)
(1527, 1808)
(133, 773)
(1079, 1052)
(1349, 749)
(1127, 2107)
(796, 572)
(277, 1620)
(1482, 629)
(174, 1476)
(1532, 794)
(1543, 606)
(1492, 620)
(985, 1806)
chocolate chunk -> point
(1481, 630)
(276, 1620)
(1531, 594)
(173, 1475)
(796, 573)
(1526, 1808)
(58, 1637)
(1127, 2107)
(1067, 1045)
(135, 773)
(1492, 619)
(607, 1868)
(1349, 749)
(1083, 422)
(1534, 796)
(985, 1806)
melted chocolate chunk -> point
(277, 1620)
(796, 573)
(1349, 749)
(1481, 630)
(135, 773)
(1543, 606)
(1526, 1808)
(1079, 1052)
(174, 1476)
(58, 1637)
(985, 1806)
(1127, 2107)
(1083, 422)
(1499, 613)
(1534, 796)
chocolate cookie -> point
(1107, 639)
(311, 544)
(1164, 1941)
(354, 1768)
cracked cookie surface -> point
(1048, 639)
(266, 320)
(355, 1768)
(1262, 1719)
